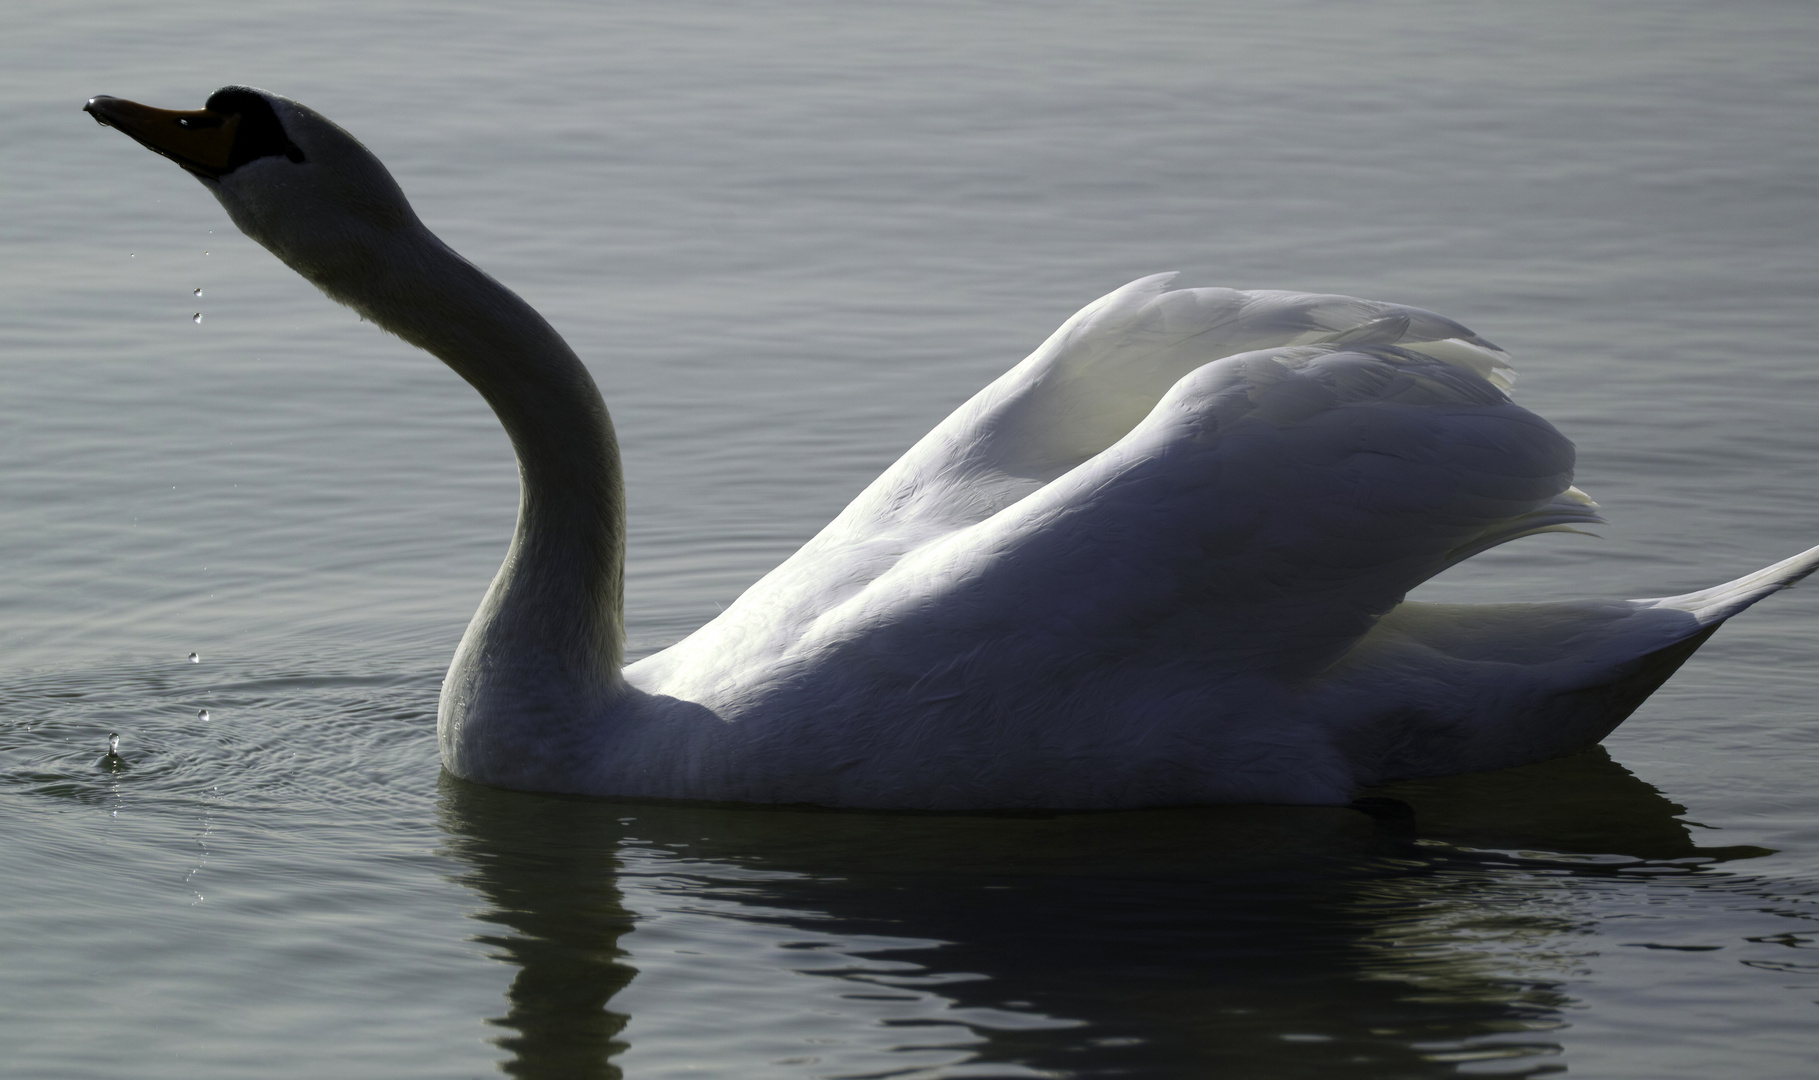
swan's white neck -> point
(543, 653)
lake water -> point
(788, 238)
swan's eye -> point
(260, 134)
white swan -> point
(1161, 561)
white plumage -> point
(1160, 561)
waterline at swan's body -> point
(1161, 561)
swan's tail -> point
(1718, 603)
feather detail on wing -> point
(1268, 511)
(1154, 447)
(1102, 372)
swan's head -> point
(290, 178)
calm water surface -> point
(788, 238)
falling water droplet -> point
(202, 714)
(195, 658)
(198, 317)
(113, 742)
(198, 292)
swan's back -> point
(1164, 561)
(1123, 568)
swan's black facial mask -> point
(236, 126)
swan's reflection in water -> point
(1264, 941)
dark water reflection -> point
(1267, 941)
(547, 870)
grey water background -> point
(788, 238)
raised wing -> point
(1269, 509)
(1085, 389)
(1100, 374)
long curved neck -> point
(545, 648)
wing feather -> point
(1231, 408)
(1267, 512)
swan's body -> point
(1161, 561)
